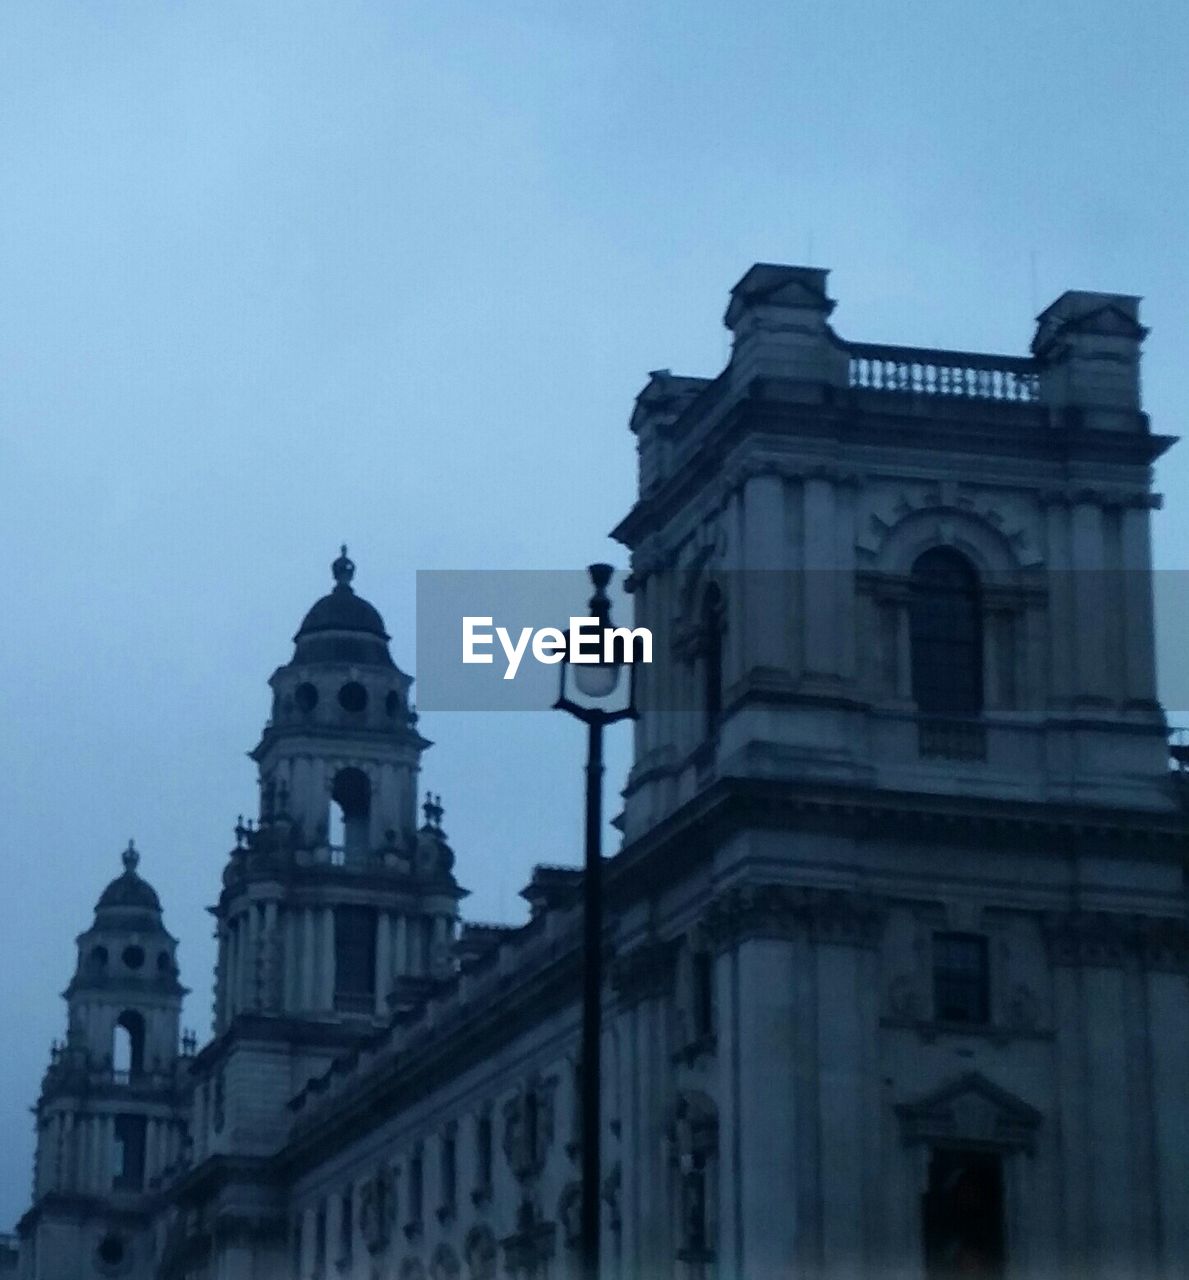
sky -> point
(279, 275)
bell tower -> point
(337, 908)
(110, 1117)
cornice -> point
(1109, 940)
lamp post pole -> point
(595, 681)
(592, 1002)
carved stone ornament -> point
(529, 1248)
(569, 1214)
(444, 1265)
(970, 1110)
(481, 1253)
(1102, 939)
(528, 1127)
(377, 1209)
(789, 911)
(647, 971)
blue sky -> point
(282, 274)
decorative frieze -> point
(786, 911)
(1102, 939)
(647, 972)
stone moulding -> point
(970, 1111)
(783, 911)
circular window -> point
(112, 1253)
(134, 957)
(353, 696)
(99, 957)
(306, 697)
(392, 703)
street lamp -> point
(596, 682)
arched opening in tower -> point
(127, 1057)
(350, 814)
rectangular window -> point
(346, 1224)
(354, 959)
(416, 1186)
(483, 1150)
(320, 1240)
(961, 978)
(449, 1173)
(130, 1153)
(703, 993)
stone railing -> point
(961, 374)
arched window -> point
(350, 814)
(712, 625)
(127, 1057)
(946, 635)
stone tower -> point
(902, 735)
(337, 910)
(110, 1118)
(895, 567)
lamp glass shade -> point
(596, 679)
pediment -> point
(970, 1110)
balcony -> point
(962, 375)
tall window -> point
(128, 1044)
(416, 1187)
(350, 815)
(961, 978)
(320, 1239)
(712, 624)
(354, 959)
(703, 993)
(483, 1151)
(346, 1225)
(130, 1153)
(449, 1174)
(946, 635)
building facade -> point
(897, 935)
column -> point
(1090, 598)
(818, 586)
(289, 969)
(309, 992)
(270, 957)
(327, 958)
(1139, 644)
(766, 606)
(252, 957)
(759, 979)
(402, 945)
(383, 960)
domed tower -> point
(110, 1117)
(336, 908)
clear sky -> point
(275, 275)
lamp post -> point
(597, 683)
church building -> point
(898, 978)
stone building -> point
(898, 927)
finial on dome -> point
(343, 568)
(130, 857)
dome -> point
(342, 627)
(129, 890)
